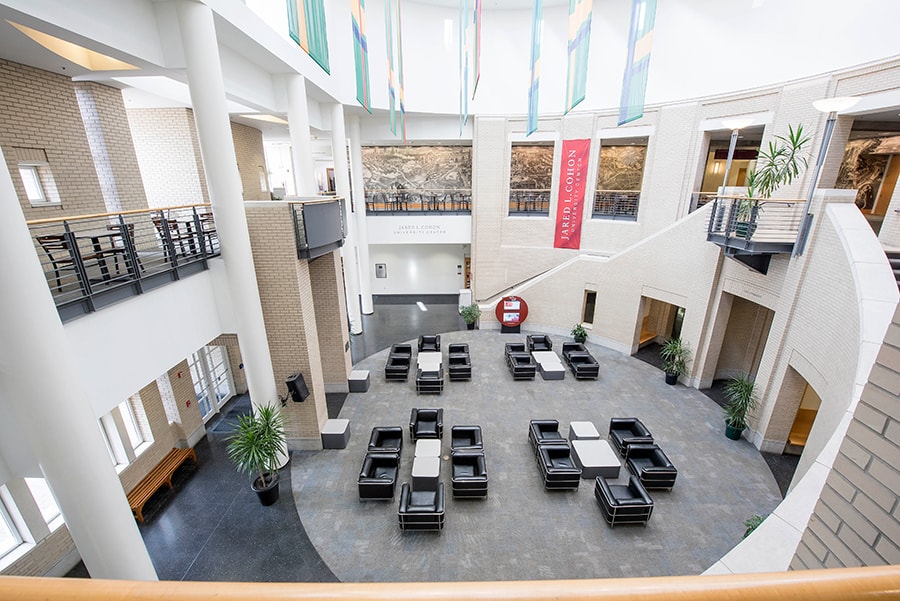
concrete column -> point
(207, 89)
(301, 147)
(41, 391)
(342, 183)
(359, 204)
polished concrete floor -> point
(211, 526)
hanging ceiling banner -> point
(389, 45)
(399, 29)
(306, 26)
(637, 67)
(396, 99)
(361, 53)
(476, 20)
(580, 12)
(570, 202)
(536, 21)
(463, 64)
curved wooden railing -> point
(847, 584)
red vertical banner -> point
(572, 183)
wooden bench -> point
(646, 334)
(159, 475)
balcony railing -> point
(91, 261)
(320, 226)
(616, 204)
(698, 199)
(752, 225)
(529, 201)
(422, 200)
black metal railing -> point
(616, 204)
(91, 261)
(421, 200)
(698, 199)
(738, 221)
(320, 226)
(529, 201)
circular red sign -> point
(511, 310)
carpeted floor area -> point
(521, 531)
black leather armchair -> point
(386, 439)
(623, 504)
(651, 466)
(421, 509)
(466, 438)
(572, 347)
(558, 469)
(430, 382)
(459, 366)
(624, 431)
(521, 366)
(378, 476)
(459, 348)
(426, 423)
(469, 477)
(539, 342)
(430, 343)
(397, 367)
(544, 431)
(583, 365)
(514, 347)
(401, 349)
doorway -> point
(213, 383)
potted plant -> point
(470, 313)
(255, 448)
(579, 333)
(675, 355)
(779, 164)
(740, 399)
(752, 523)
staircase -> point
(894, 259)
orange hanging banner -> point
(570, 203)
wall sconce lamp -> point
(832, 106)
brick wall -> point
(251, 160)
(182, 383)
(238, 376)
(327, 279)
(45, 555)
(163, 438)
(857, 518)
(41, 113)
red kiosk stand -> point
(511, 311)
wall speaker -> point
(297, 387)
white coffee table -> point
(429, 361)
(549, 364)
(583, 431)
(426, 471)
(595, 458)
(428, 447)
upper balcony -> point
(752, 230)
(402, 201)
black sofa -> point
(430, 382)
(459, 367)
(469, 475)
(623, 504)
(466, 438)
(430, 343)
(558, 469)
(426, 423)
(386, 439)
(572, 347)
(583, 365)
(378, 476)
(544, 431)
(421, 509)
(624, 431)
(396, 367)
(521, 366)
(539, 342)
(651, 466)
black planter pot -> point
(268, 492)
(671, 379)
(470, 326)
(580, 339)
(732, 432)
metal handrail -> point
(418, 200)
(744, 219)
(529, 201)
(840, 584)
(616, 204)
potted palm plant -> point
(740, 397)
(579, 333)
(470, 314)
(255, 448)
(675, 355)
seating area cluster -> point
(421, 505)
(536, 354)
(563, 462)
(429, 364)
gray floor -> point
(522, 531)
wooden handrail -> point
(846, 584)
(116, 214)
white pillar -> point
(342, 183)
(207, 88)
(42, 393)
(359, 204)
(301, 147)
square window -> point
(32, 181)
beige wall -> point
(327, 280)
(251, 160)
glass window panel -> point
(44, 498)
(32, 182)
(9, 536)
(134, 433)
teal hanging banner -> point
(637, 67)
(361, 53)
(580, 12)
(306, 26)
(536, 21)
